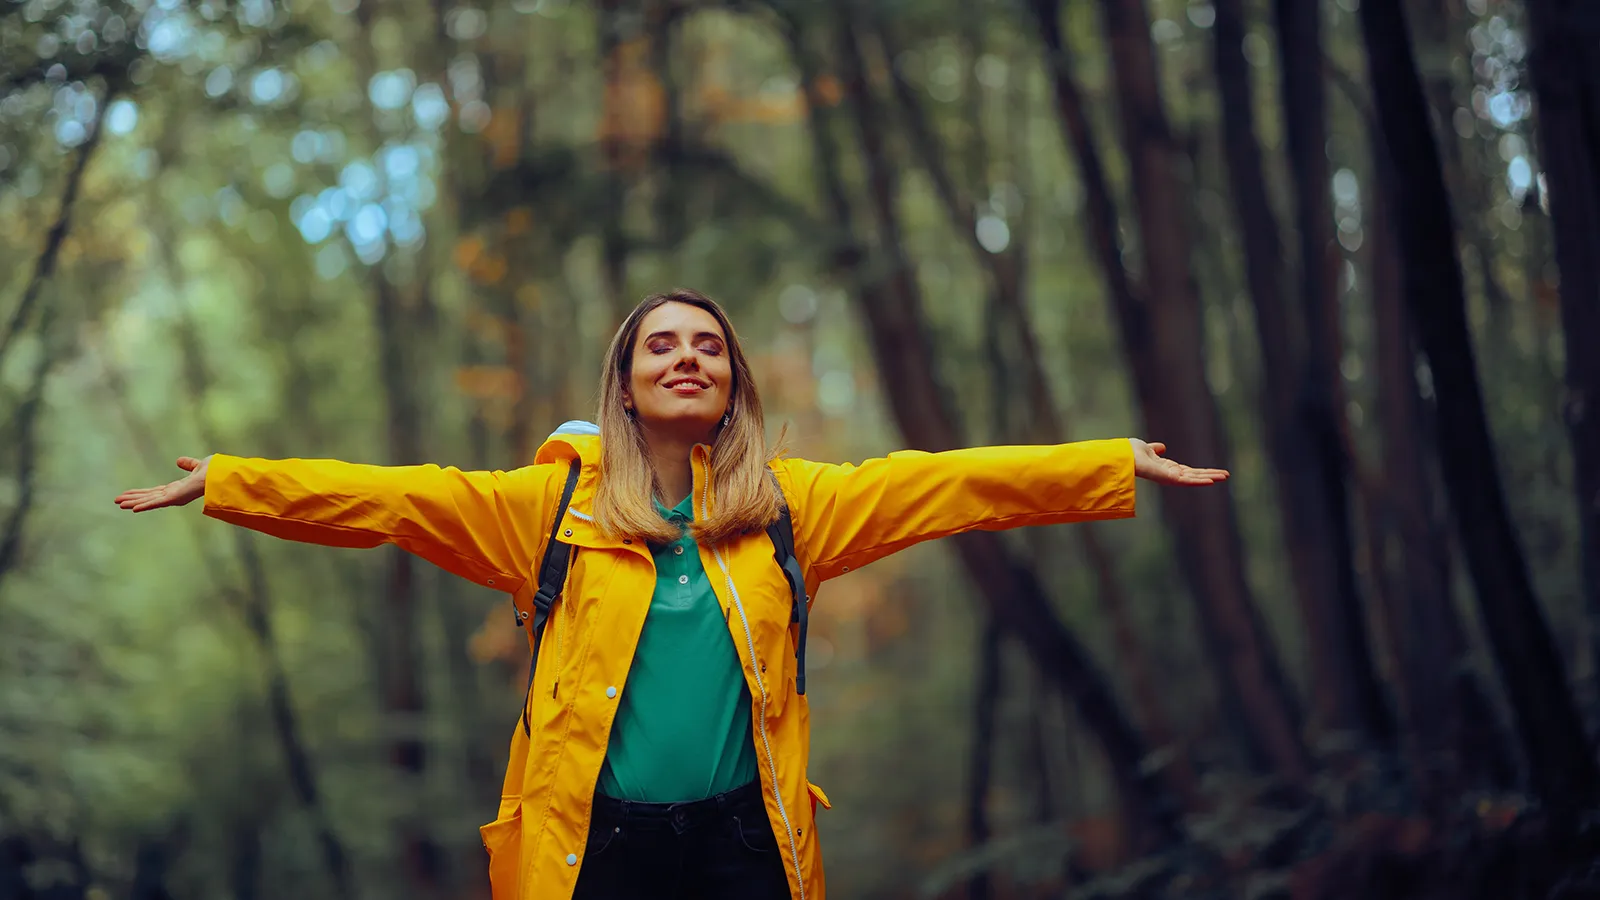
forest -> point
(1348, 249)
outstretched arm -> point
(483, 526)
(847, 516)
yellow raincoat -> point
(491, 528)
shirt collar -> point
(683, 512)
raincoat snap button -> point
(490, 581)
(611, 692)
(627, 540)
(845, 569)
(568, 532)
(683, 579)
(572, 859)
(678, 551)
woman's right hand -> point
(187, 489)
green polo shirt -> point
(682, 730)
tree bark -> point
(1566, 79)
(31, 408)
(1348, 696)
(613, 241)
(255, 607)
(1435, 684)
(1301, 441)
(985, 709)
(1045, 423)
(1550, 731)
(402, 682)
(889, 300)
(1160, 329)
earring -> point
(726, 418)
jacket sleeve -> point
(482, 526)
(846, 516)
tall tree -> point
(1549, 728)
(1566, 77)
(1038, 414)
(1452, 736)
(1298, 347)
(890, 302)
(980, 768)
(1159, 324)
(1350, 697)
(400, 648)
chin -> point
(686, 423)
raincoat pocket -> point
(503, 839)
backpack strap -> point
(782, 534)
(552, 577)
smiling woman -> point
(663, 748)
(676, 377)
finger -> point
(188, 463)
(1158, 447)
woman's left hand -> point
(1148, 463)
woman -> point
(662, 749)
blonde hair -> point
(743, 495)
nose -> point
(688, 358)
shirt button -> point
(683, 579)
(678, 550)
(611, 692)
(572, 859)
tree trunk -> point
(255, 607)
(1161, 337)
(890, 302)
(613, 240)
(985, 709)
(1550, 731)
(1349, 697)
(31, 407)
(1566, 77)
(1039, 409)
(1435, 684)
(402, 682)
(1298, 416)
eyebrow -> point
(672, 334)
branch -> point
(27, 419)
(45, 265)
(111, 68)
(27, 452)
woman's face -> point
(682, 377)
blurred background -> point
(1348, 248)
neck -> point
(670, 456)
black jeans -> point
(719, 848)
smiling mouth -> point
(686, 386)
